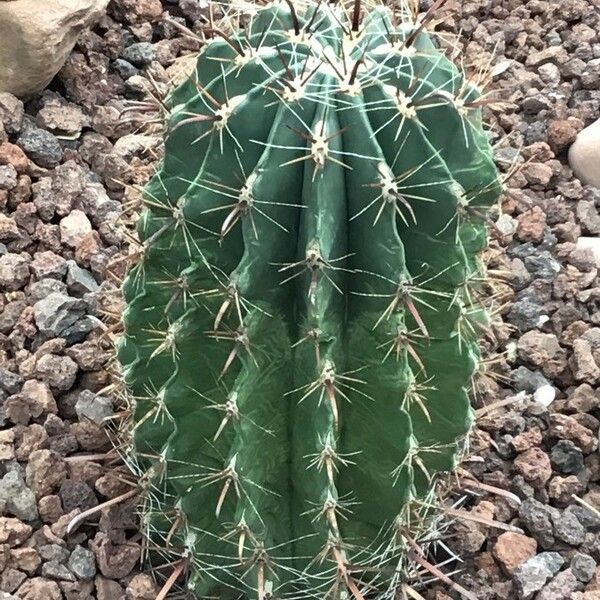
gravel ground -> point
(70, 166)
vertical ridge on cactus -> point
(301, 331)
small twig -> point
(177, 571)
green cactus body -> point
(301, 332)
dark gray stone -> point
(583, 567)
(80, 281)
(542, 265)
(77, 494)
(566, 457)
(534, 573)
(82, 563)
(124, 69)
(538, 519)
(57, 312)
(140, 54)
(42, 147)
(528, 381)
(77, 332)
(9, 381)
(525, 314)
(568, 529)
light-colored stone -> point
(584, 155)
(591, 243)
(182, 68)
(36, 39)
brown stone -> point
(13, 532)
(45, 471)
(39, 588)
(11, 154)
(567, 428)
(534, 465)
(531, 225)
(141, 587)
(513, 549)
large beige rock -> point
(36, 37)
(584, 155)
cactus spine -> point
(301, 331)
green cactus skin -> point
(301, 331)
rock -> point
(591, 243)
(56, 312)
(39, 398)
(566, 457)
(584, 399)
(531, 225)
(38, 290)
(26, 559)
(107, 589)
(513, 549)
(61, 117)
(7, 441)
(582, 362)
(8, 177)
(82, 563)
(114, 561)
(93, 407)
(77, 494)
(89, 356)
(10, 382)
(141, 587)
(568, 528)
(140, 54)
(74, 227)
(14, 270)
(137, 11)
(533, 574)
(19, 499)
(39, 145)
(538, 174)
(542, 350)
(183, 67)
(58, 371)
(39, 588)
(45, 471)
(562, 133)
(10, 154)
(13, 532)
(542, 265)
(561, 587)
(545, 395)
(584, 155)
(588, 216)
(566, 427)
(526, 314)
(35, 43)
(534, 465)
(583, 567)
(562, 489)
(528, 381)
(48, 265)
(538, 518)
(8, 229)
(79, 280)
(11, 113)
(54, 570)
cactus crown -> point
(300, 333)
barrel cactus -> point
(301, 329)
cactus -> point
(301, 330)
